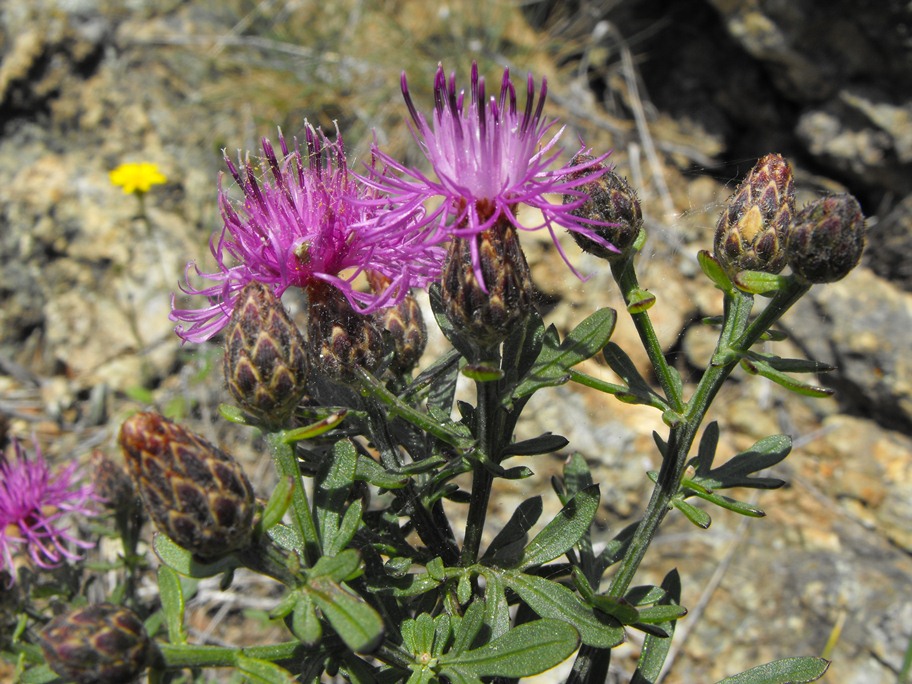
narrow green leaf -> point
(552, 600)
(791, 365)
(522, 346)
(736, 472)
(656, 646)
(615, 549)
(182, 561)
(331, 491)
(618, 360)
(305, 624)
(619, 609)
(340, 568)
(706, 452)
(278, 503)
(351, 523)
(468, 628)
(734, 505)
(465, 346)
(440, 376)
(229, 412)
(507, 546)
(654, 615)
(359, 625)
(556, 359)
(543, 444)
(697, 516)
(482, 373)
(568, 526)
(260, 671)
(762, 368)
(760, 282)
(172, 601)
(316, 429)
(526, 650)
(785, 671)
(640, 300)
(497, 610)
(40, 674)
(714, 271)
(368, 470)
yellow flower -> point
(137, 178)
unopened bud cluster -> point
(759, 230)
(196, 494)
(97, 644)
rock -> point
(862, 326)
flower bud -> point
(612, 202)
(751, 232)
(112, 483)
(826, 239)
(338, 337)
(488, 313)
(265, 361)
(98, 644)
(405, 325)
(196, 494)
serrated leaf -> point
(358, 625)
(568, 526)
(260, 671)
(552, 600)
(526, 650)
(697, 516)
(172, 601)
(784, 671)
(762, 368)
(543, 444)
(552, 367)
(182, 561)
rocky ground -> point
(688, 98)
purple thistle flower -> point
(488, 157)
(33, 501)
(310, 222)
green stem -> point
(399, 408)
(488, 432)
(625, 276)
(302, 519)
(680, 441)
(177, 656)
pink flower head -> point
(489, 156)
(33, 502)
(310, 222)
